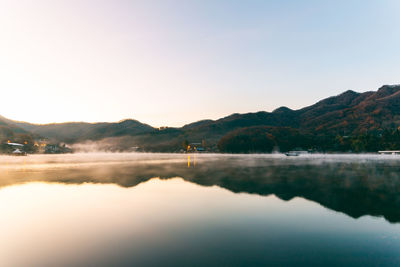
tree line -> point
(261, 139)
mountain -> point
(9, 130)
(72, 132)
(354, 113)
(349, 113)
(326, 125)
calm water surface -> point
(199, 210)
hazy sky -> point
(172, 62)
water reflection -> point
(109, 210)
(354, 185)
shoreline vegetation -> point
(249, 140)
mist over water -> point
(146, 209)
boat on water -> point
(295, 153)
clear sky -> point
(173, 62)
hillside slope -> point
(11, 132)
(348, 114)
(72, 132)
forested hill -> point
(10, 131)
(350, 121)
(72, 132)
(348, 113)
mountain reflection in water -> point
(352, 184)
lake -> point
(143, 209)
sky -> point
(168, 63)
